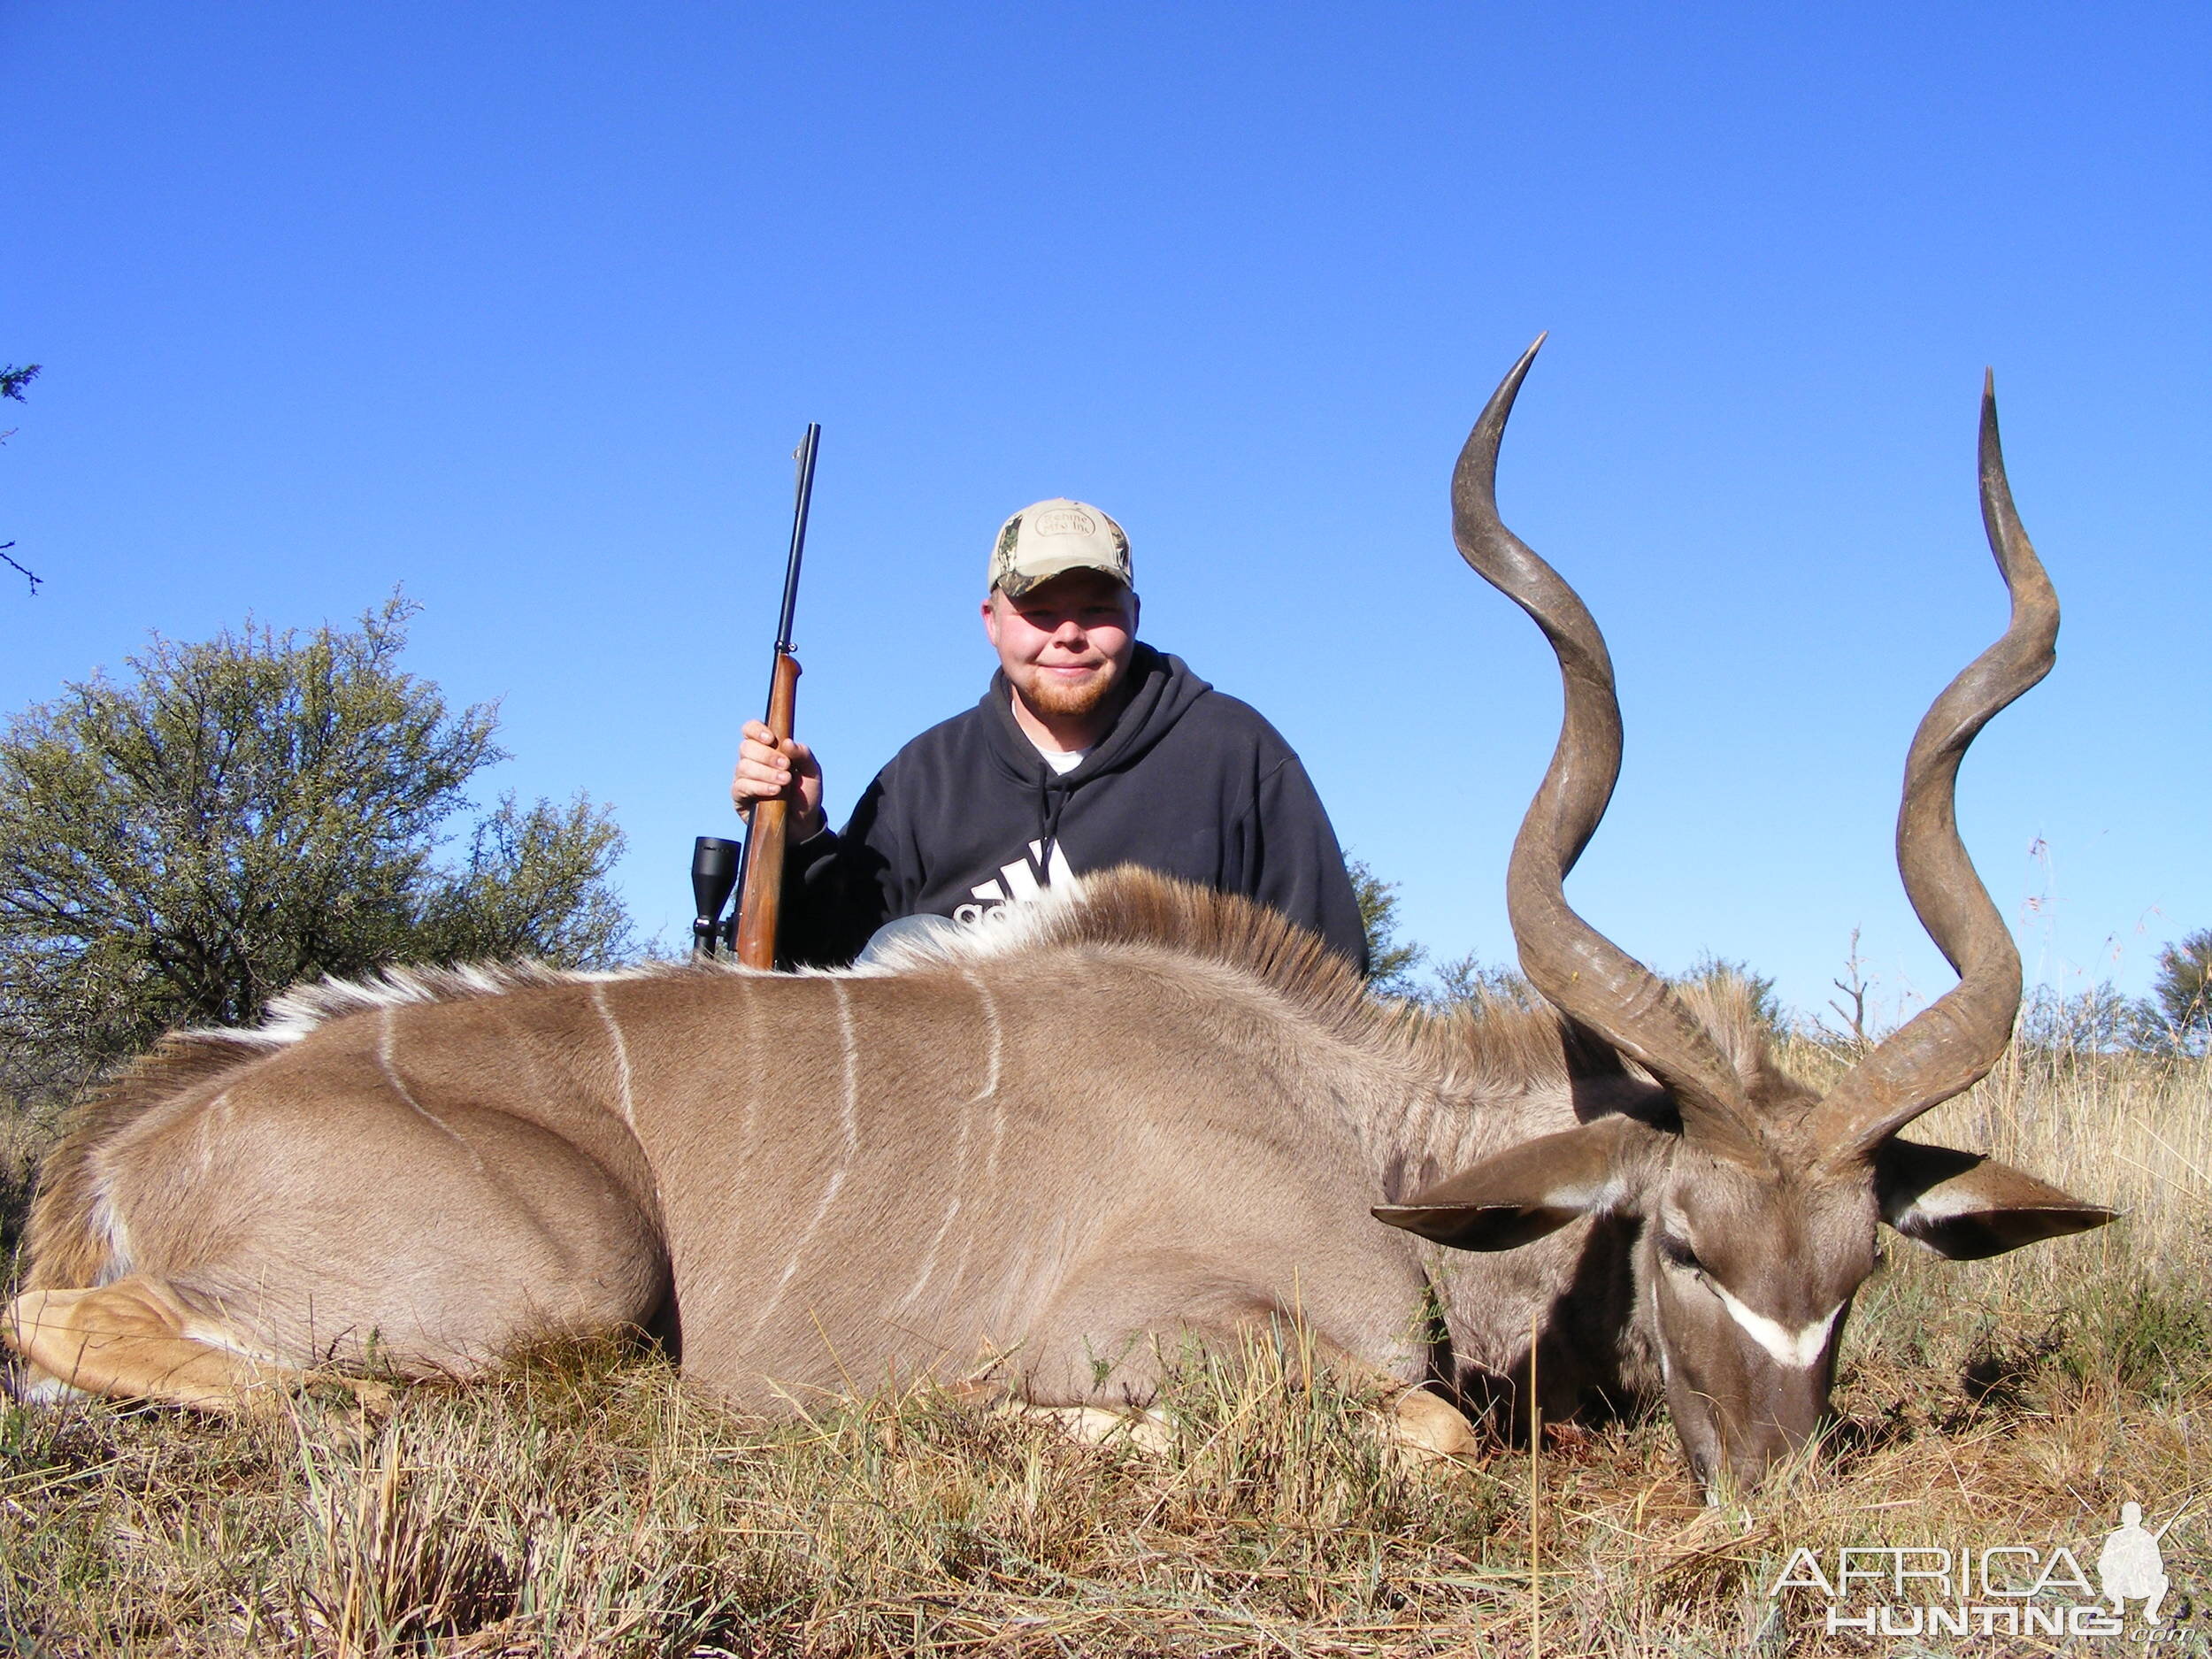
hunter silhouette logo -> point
(2130, 1566)
(2002, 1590)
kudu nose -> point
(1755, 1450)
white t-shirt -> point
(1061, 760)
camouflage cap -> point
(1049, 538)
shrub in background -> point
(1390, 960)
(255, 809)
(2182, 1002)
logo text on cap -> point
(1065, 521)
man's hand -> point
(766, 772)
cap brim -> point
(1014, 584)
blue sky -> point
(524, 307)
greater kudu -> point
(1035, 1161)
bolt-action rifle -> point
(750, 932)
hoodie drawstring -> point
(1052, 800)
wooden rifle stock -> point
(760, 899)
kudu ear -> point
(1965, 1206)
(1520, 1195)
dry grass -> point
(584, 1504)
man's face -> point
(1066, 644)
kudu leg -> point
(1145, 1428)
(131, 1340)
(1419, 1427)
(1425, 1428)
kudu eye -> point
(1678, 1254)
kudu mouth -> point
(1943, 1050)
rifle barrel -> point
(807, 448)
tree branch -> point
(33, 576)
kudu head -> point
(1758, 1198)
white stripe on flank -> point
(960, 1151)
(850, 1104)
(929, 1257)
(849, 1119)
(829, 1195)
(998, 1038)
(621, 1050)
(108, 1224)
(386, 1049)
(991, 1080)
(217, 1107)
(990, 1092)
(1796, 1349)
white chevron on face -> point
(1796, 1349)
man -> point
(1090, 749)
